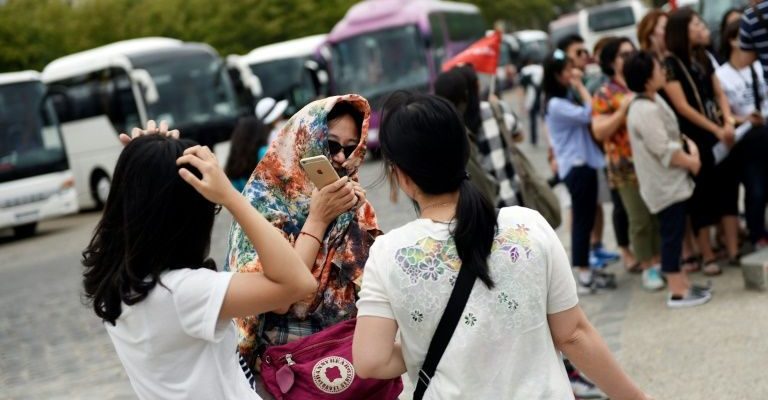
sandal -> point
(690, 264)
(711, 268)
(634, 268)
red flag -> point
(483, 55)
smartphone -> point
(319, 170)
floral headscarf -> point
(280, 190)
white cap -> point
(268, 110)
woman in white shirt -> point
(523, 309)
(745, 87)
(166, 309)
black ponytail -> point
(475, 230)
(424, 137)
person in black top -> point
(704, 116)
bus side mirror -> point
(58, 98)
(145, 81)
(319, 76)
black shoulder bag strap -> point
(756, 90)
(446, 327)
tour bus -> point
(384, 45)
(612, 19)
(35, 180)
(287, 70)
(102, 92)
(567, 24)
(534, 45)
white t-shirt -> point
(502, 347)
(738, 88)
(173, 346)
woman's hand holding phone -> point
(331, 201)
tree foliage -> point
(35, 32)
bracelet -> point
(320, 242)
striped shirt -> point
(753, 35)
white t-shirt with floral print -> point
(502, 348)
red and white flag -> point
(483, 55)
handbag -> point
(446, 327)
(319, 366)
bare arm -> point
(604, 126)
(285, 278)
(374, 351)
(722, 99)
(577, 338)
(676, 96)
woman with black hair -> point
(578, 157)
(704, 115)
(459, 88)
(609, 126)
(522, 308)
(248, 146)
(165, 307)
(664, 170)
(747, 94)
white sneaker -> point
(692, 299)
(652, 279)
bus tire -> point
(25, 231)
(100, 184)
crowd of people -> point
(667, 134)
(677, 132)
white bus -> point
(287, 70)
(611, 19)
(101, 92)
(35, 180)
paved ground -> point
(52, 347)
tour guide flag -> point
(483, 55)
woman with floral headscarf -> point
(332, 228)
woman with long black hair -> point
(578, 157)
(522, 308)
(704, 115)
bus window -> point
(464, 27)
(437, 40)
(376, 63)
(30, 140)
(107, 92)
(193, 89)
(614, 18)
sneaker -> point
(652, 279)
(604, 280)
(605, 255)
(595, 262)
(702, 288)
(586, 287)
(583, 388)
(692, 299)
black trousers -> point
(582, 185)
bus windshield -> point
(286, 79)
(613, 18)
(377, 63)
(193, 89)
(30, 139)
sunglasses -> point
(335, 147)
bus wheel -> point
(100, 184)
(25, 231)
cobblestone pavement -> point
(53, 347)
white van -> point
(35, 180)
(612, 19)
